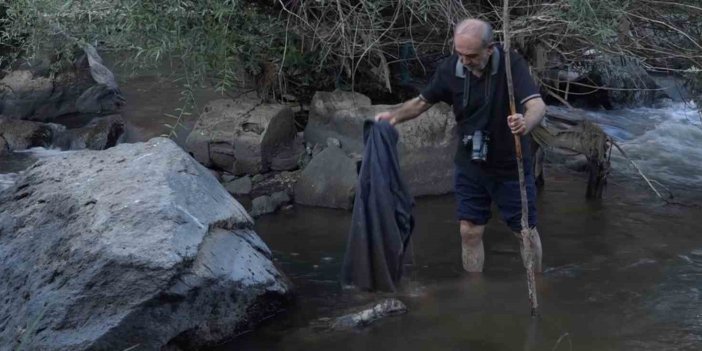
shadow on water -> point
(615, 279)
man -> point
(478, 66)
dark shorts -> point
(475, 192)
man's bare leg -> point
(535, 246)
(473, 254)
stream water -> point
(623, 273)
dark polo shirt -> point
(447, 85)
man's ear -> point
(491, 48)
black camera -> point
(479, 145)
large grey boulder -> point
(328, 180)
(135, 245)
(242, 136)
(426, 148)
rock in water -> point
(138, 244)
(262, 205)
(101, 133)
(21, 135)
(382, 309)
(328, 181)
(244, 136)
(241, 186)
(34, 94)
(426, 148)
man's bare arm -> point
(407, 111)
(535, 109)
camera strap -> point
(479, 119)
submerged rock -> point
(135, 245)
(367, 315)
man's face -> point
(471, 51)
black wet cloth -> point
(447, 85)
(382, 220)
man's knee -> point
(471, 233)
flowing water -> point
(623, 273)
(663, 141)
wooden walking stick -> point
(526, 232)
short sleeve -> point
(524, 87)
(438, 88)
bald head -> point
(472, 42)
(474, 28)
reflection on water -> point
(675, 304)
(614, 279)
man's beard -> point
(479, 68)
